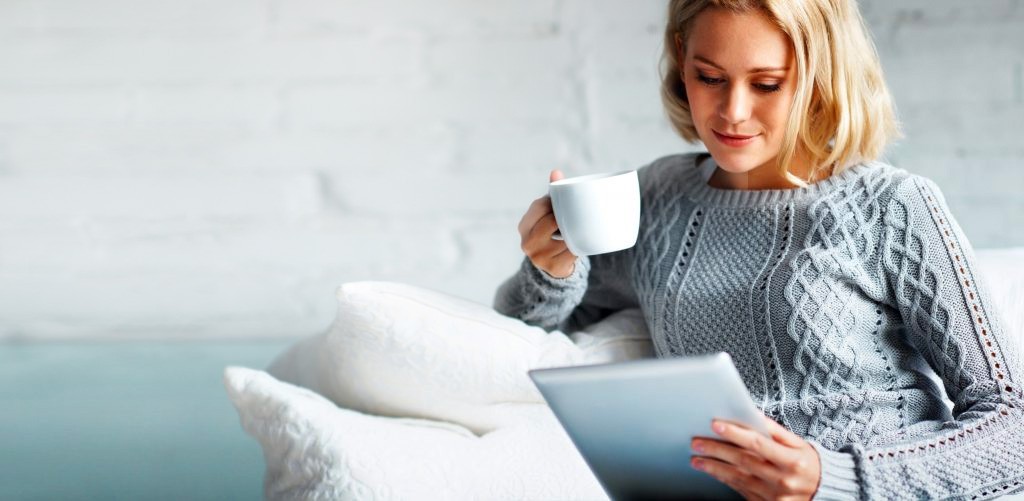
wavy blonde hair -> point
(842, 112)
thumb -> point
(556, 175)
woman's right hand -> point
(536, 228)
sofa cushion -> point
(400, 350)
(315, 450)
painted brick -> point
(190, 104)
(618, 100)
(145, 199)
(958, 129)
(990, 221)
(440, 18)
(416, 194)
(92, 106)
(177, 145)
(634, 144)
(622, 54)
(961, 63)
(513, 149)
(46, 61)
(918, 12)
(970, 176)
(547, 59)
(418, 102)
(152, 17)
(615, 16)
(19, 16)
(201, 169)
(492, 253)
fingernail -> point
(698, 464)
(698, 446)
(718, 427)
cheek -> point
(701, 101)
(773, 114)
(777, 110)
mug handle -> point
(557, 235)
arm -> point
(537, 298)
(947, 314)
(598, 286)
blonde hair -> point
(842, 112)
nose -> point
(735, 105)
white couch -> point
(413, 394)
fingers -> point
(757, 465)
(740, 458)
(756, 443)
(536, 228)
(538, 242)
(741, 481)
(751, 495)
(782, 435)
(538, 209)
(566, 254)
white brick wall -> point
(202, 169)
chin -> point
(735, 163)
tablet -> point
(633, 421)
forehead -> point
(738, 40)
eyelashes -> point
(714, 82)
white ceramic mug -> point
(598, 213)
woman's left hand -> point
(784, 466)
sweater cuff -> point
(543, 281)
(838, 475)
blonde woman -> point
(836, 282)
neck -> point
(768, 176)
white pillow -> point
(1004, 273)
(317, 451)
(399, 350)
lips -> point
(734, 140)
(736, 136)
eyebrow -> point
(755, 70)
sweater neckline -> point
(706, 194)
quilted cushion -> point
(315, 450)
(400, 350)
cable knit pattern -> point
(836, 301)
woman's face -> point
(740, 80)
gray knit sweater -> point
(835, 302)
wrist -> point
(577, 275)
(838, 478)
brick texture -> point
(213, 169)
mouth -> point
(732, 139)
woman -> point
(833, 280)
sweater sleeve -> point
(949, 318)
(537, 298)
(598, 286)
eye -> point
(768, 88)
(709, 81)
(714, 82)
